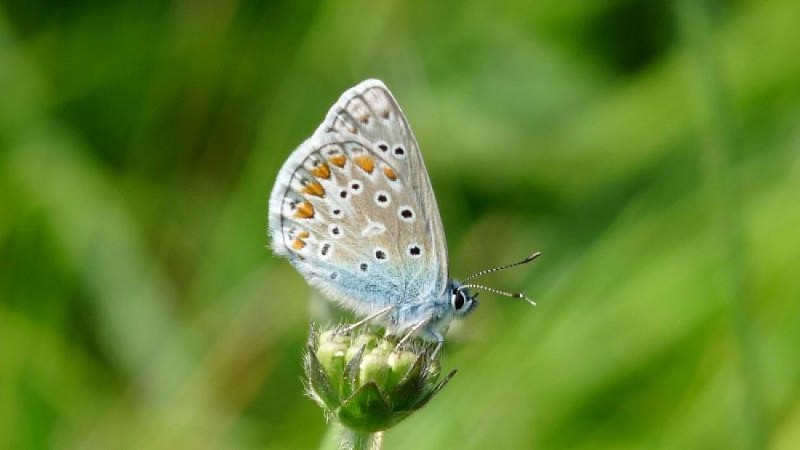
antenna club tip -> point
(527, 299)
(533, 256)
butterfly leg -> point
(411, 332)
(439, 343)
(372, 316)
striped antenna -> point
(530, 258)
(498, 292)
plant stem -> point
(358, 440)
(341, 437)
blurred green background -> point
(650, 150)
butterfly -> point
(354, 212)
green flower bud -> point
(367, 340)
(400, 362)
(331, 356)
(366, 384)
(374, 368)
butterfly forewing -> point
(353, 207)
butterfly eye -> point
(457, 300)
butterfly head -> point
(461, 301)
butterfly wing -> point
(353, 208)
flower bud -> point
(331, 356)
(364, 382)
(399, 364)
(374, 368)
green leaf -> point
(427, 397)
(318, 382)
(350, 382)
(406, 393)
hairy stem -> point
(341, 437)
(358, 440)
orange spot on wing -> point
(365, 162)
(298, 244)
(389, 173)
(304, 211)
(321, 171)
(314, 188)
(338, 160)
(302, 234)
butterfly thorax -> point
(431, 317)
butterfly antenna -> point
(498, 292)
(530, 258)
